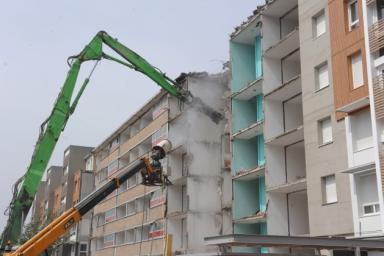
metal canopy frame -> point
(296, 242)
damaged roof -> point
(255, 15)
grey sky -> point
(38, 36)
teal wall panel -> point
(260, 150)
(262, 194)
(258, 57)
(246, 199)
(244, 113)
(259, 107)
(244, 155)
(243, 65)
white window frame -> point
(315, 19)
(321, 131)
(357, 84)
(318, 68)
(375, 211)
(326, 200)
(353, 24)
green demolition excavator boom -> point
(25, 189)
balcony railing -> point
(376, 35)
(378, 94)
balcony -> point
(251, 90)
(378, 94)
(285, 46)
(250, 132)
(287, 90)
(247, 175)
(376, 35)
(287, 138)
(291, 187)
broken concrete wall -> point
(202, 187)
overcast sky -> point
(38, 36)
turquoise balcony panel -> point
(245, 113)
(260, 150)
(246, 198)
(258, 58)
(245, 155)
(259, 107)
(262, 194)
(243, 65)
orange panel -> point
(344, 43)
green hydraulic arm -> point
(25, 189)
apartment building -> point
(357, 49)
(268, 165)
(135, 219)
(83, 185)
(306, 139)
(53, 179)
(38, 204)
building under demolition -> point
(135, 219)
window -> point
(121, 211)
(142, 233)
(100, 220)
(130, 236)
(114, 144)
(102, 175)
(357, 70)
(353, 14)
(325, 131)
(113, 167)
(110, 215)
(329, 189)
(361, 128)
(83, 249)
(139, 204)
(89, 163)
(109, 240)
(371, 209)
(122, 188)
(131, 208)
(132, 181)
(322, 76)
(120, 238)
(319, 24)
